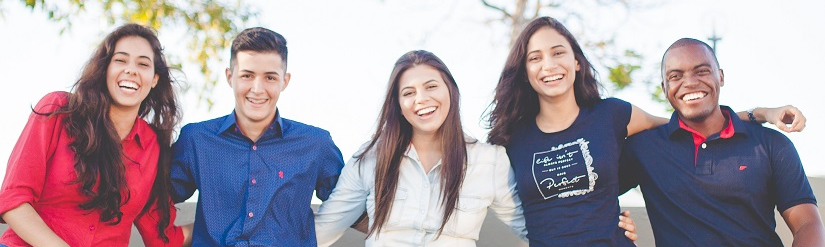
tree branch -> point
(497, 8)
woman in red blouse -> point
(87, 165)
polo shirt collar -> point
(674, 126)
(230, 124)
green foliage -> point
(210, 24)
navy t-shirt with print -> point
(568, 180)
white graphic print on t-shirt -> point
(565, 170)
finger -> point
(798, 123)
(626, 213)
(782, 126)
(632, 236)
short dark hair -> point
(685, 42)
(258, 39)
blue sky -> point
(341, 54)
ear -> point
(578, 67)
(287, 76)
(155, 80)
(229, 76)
(721, 78)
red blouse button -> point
(91, 227)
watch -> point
(750, 115)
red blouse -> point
(41, 172)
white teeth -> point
(694, 96)
(256, 101)
(128, 84)
(425, 110)
(552, 78)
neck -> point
(711, 124)
(429, 149)
(556, 114)
(123, 120)
(253, 130)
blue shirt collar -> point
(230, 124)
(738, 125)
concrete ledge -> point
(494, 233)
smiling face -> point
(551, 64)
(692, 80)
(131, 73)
(424, 99)
(257, 80)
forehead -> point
(419, 74)
(544, 38)
(687, 56)
(134, 46)
(259, 61)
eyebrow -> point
(127, 54)
(694, 67)
(266, 73)
(554, 47)
(428, 81)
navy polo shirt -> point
(254, 193)
(718, 192)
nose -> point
(549, 64)
(257, 85)
(690, 81)
(422, 96)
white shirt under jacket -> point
(416, 212)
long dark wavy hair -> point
(394, 134)
(516, 101)
(98, 151)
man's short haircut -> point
(260, 40)
(689, 41)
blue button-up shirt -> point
(254, 193)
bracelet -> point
(750, 115)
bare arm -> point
(641, 120)
(805, 224)
(28, 225)
(780, 116)
(187, 234)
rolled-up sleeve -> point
(330, 166)
(347, 202)
(146, 223)
(506, 204)
(26, 170)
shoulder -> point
(479, 152)
(649, 135)
(203, 127)
(615, 105)
(292, 127)
(52, 102)
(767, 136)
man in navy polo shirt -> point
(255, 171)
(710, 179)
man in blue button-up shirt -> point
(255, 171)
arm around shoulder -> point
(640, 120)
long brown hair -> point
(516, 101)
(98, 151)
(394, 134)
